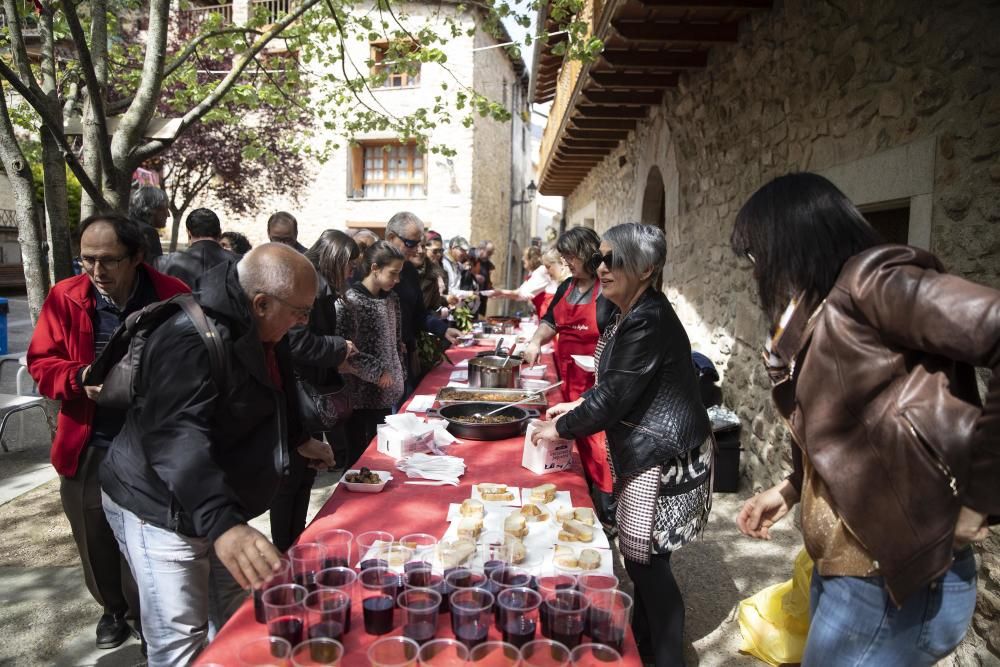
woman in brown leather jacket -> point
(872, 353)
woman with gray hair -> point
(659, 438)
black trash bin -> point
(727, 462)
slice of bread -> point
(455, 553)
(470, 527)
(515, 550)
(516, 525)
(568, 561)
(544, 493)
(533, 512)
(565, 514)
(581, 532)
(472, 507)
(584, 515)
(589, 559)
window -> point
(892, 224)
(397, 74)
(388, 171)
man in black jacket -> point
(200, 456)
(203, 252)
(406, 231)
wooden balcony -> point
(193, 17)
(648, 46)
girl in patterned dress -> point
(368, 314)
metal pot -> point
(510, 429)
(495, 372)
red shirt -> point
(62, 344)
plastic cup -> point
(547, 587)
(492, 550)
(341, 579)
(471, 615)
(338, 547)
(283, 575)
(443, 653)
(365, 542)
(284, 609)
(423, 546)
(456, 578)
(518, 614)
(326, 614)
(610, 615)
(495, 654)
(265, 652)
(317, 652)
(393, 652)
(591, 584)
(307, 559)
(545, 653)
(379, 587)
(504, 577)
(595, 655)
(419, 607)
(567, 611)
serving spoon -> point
(524, 399)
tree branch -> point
(95, 90)
(240, 64)
(193, 45)
(18, 50)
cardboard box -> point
(398, 444)
(548, 455)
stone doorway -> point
(654, 210)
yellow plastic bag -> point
(774, 622)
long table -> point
(402, 509)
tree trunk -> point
(175, 227)
(56, 209)
(91, 158)
(91, 134)
(29, 231)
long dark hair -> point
(331, 254)
(799, 230)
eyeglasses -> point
(597, 259)
(411, 243)
(298, 310)
(110, 263)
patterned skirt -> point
(664, 507)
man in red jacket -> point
(77, 319)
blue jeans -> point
(185, 593)
(854, 622)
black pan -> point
(510, 429)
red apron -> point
(541, 302)
(578, 334)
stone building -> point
(694, 105)
(472, 194)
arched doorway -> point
(654, 206)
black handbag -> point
(322, 407)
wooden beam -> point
(615, 124)
(657, 60)
(606, 135)
(630, 98)
(638, 81)
(570, 142)
(591, 152)
(709, 4)
(591, 111)
(677, 32)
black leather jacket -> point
(193, 457)
(191, 264)
(647, 398)
(316, 350)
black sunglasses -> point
(597, 259)
(410, 243)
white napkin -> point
(459, 376)
(427, 466)
(420, 403)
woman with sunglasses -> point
(574, 315)
(316, 354)
(896, 459)
(659, 440)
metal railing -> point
(194, 16)
(274, 9)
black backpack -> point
(117, 368)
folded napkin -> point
(435, 467)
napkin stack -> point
(438, 468)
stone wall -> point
(838, 87)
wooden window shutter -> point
(357, 170)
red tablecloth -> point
(402, 509)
